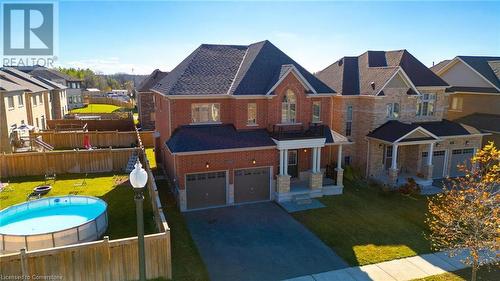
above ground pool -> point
(52, 222)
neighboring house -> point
(392, 107)
(145, 101)
(12, 111)
(37, 98)
(239, 124)
(74, 85)
(474, 92)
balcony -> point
(297, 131)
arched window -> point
(288, 107)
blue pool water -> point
(50, 214)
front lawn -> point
(187, 264)
(97, 108)
(114, 189)
(484, 274)
(365, 225)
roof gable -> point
(484, 68)
(150, 81)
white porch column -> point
(285, 160)
(394, 164)
(318, 160)
(339, 157)
(282, 162)
(314, 159)
(431, 153)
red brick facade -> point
(172, 113)
(146, 110)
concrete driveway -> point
(258, 242)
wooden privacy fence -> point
(92, 125)
(65, 161)
(65, 140)
(105, 260)
(107, 100)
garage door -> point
(459, 157)
(205, 190)
(251, 185)
(438, 158)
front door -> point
(293, 167)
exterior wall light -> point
(305, 150)
(207, 165)
(253, 161)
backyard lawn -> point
(97, 108)
(187, 264)
(114, 189)
(365, 225)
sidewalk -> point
(396, 270)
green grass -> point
(187, 264)
(484, 274)
(365, 225)
(97, 108)
(114, 189)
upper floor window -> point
(205, 112)
(393, 110)
(10, 102)
(252, 113)
(34, 100)
(457, 103)
(348, 123)
(425, 105)
(40, 99)
(288, 108)
(316, 112)
(20, 100)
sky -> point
(138, 36)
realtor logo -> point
(28, 29)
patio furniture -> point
(33, 196)
(82, 182)
(4, 187)
(50, 176)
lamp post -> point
(138, 179)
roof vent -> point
(373, 85)
(341, 62)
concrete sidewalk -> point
(396, 270)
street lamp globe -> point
(138, 176)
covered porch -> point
(294, 181)
(408, 151)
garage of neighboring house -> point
(204, 190)
(252, 185)
(438, 163)
(460, 157)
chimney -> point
(373, 85)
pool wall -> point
(89, 231)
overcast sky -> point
(121, 36)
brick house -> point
(393, 107)
(474, 92)
(239, 124)
(145, 102)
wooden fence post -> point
(107, 257)
(24, 265)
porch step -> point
(302, 199)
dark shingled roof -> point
(354, 75)
(436, 68)
(233, 69)
(488, 67)
(393, 130)
(482, 121)
(213, 137)
(52, 74)
(150, 81)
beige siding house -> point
(474, 92)
(12, 111)
(393, 108)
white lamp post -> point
(138, 179)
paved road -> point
(258, 242)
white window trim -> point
(319, 116)
(254, 123)
(193, 105)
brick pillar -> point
(393, 176)
(340, 176)
(315, 180)
(283, 183)
(182, 200)
(427, 171)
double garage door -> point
(206, 190)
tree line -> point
(100, 81)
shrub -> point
(411, 187)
